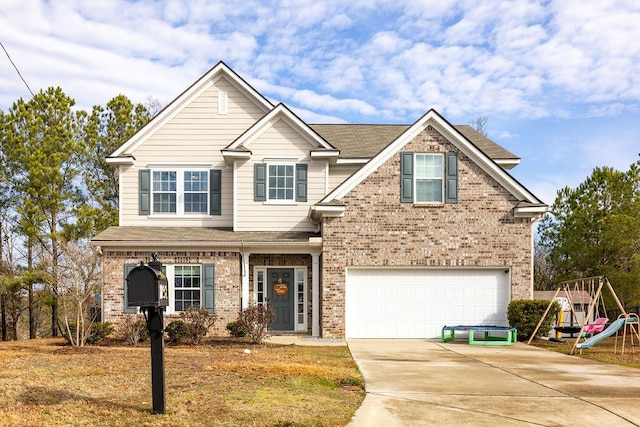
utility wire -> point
(16, 68)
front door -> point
(280, 292)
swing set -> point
(588, 292)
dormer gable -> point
(241, 147)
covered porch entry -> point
(289, 283)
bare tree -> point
(480, 124)
(78, 284)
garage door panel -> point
(416, 303)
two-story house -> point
(345, 230)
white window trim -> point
(291, 201)
(298, 326)
(180, 192)
(415, 179)
(170, 274)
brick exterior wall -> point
(377, 230)
(227, 281)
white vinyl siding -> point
(278, 143)
(339, 173)
(195, 135)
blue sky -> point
(558, 80)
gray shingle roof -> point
(206, 235)
(365, 141)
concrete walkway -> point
(428, 383)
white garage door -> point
(417, 303)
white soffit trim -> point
(434, 119)
(116, 161)
(507, 163)
(532, 211)
(184, 99)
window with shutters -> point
(280, 182)
(179, 191)
(429, 178)
(183, 192)
(189, 286)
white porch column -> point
(315, 295)
(245, 279)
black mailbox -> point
(147, 286)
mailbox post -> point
(147, 288)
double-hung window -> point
(196, 191)
(429, 178)
(180, 191)
(190, 285)
(187, 285)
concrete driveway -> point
(428, 383)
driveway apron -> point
(428, 383)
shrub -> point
(525, 315)
(256, 320)
(237, 329)
(192, 328)
(133, 329)
(176, 332)
(198, 322)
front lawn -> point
(45, 383)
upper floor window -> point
(184, 191)
(180, 192)
(429, 178)
(281, 181)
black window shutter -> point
(127, 270)
(215, 192)
(301, 183)
(260, 182)
(451, 174)
(406, 177)
(144, 192)
(208, 300)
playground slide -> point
(604, 334)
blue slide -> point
(612, 329)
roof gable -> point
(364, 141)
(453, 135)
(220, 70)
(280, 112)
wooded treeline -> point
(56, 191)
(594, 230)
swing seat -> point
(596, 327)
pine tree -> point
(40, 147)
